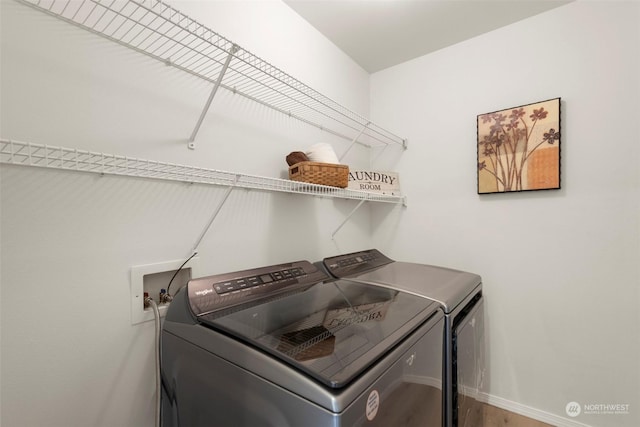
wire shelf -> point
(156, 29)
(53, 157)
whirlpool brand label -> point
(375, 182)
(204, 292)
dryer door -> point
(469, 367)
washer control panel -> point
(257, 280)
(212, 293)
(355, 263)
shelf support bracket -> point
(348, 217)
(192, 138)
(215, 213)
(354, 140)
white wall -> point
(70, 356)
(560, 268)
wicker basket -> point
(330, 174)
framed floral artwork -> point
(519, 148)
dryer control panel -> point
(212, 293)
(355, 263)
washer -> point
(459, 294)
(286, 345)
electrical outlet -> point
(152, 278)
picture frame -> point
(519, 148)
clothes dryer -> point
(286, 345)
(459, 295)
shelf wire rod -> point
(209, 71)
(207, 67)
(44, 156)
(109, 11)
(172, 42)
(164, 35)
(299, 102)
(154, 36)
(181, 26)
(193, 52)
(288, 96)
(30, 158)
(271, 98)
(148, 27)
(184, 43)
(123, 21)
(252, 61)
(266, 94)
(205, 56)
(277, 94)
(257, 75)
(215, 214)
(194, 61)
(274, 90)
(105, 9)
(353, 142)
(306, 91)
(83, 23)
(140, 16)
(213, 93)
(141, 31)
(134, 25)
(297, 117)
(65, 7)
(80, 7)
(116, 14)
(387, 135)
(204, 63)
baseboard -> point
(528, 411)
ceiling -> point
(378, 34)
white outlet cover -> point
(138, 313)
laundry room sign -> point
(382, 182)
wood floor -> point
(482, 415)
(414, 405)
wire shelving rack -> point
(156, 29)
(72, 159)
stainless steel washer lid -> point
(447, 286)
(332, 331)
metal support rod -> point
(215, 213)
(354, 140)
(348, 217)
(232, 51)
